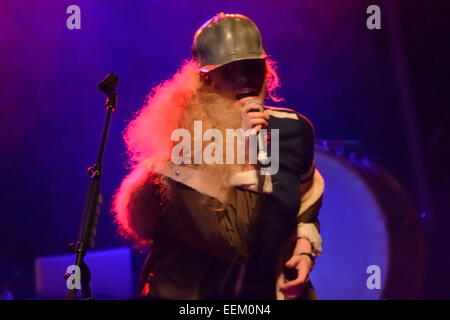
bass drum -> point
(373, 243)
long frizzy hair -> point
(173, 104)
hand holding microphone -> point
(253, 116)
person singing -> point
(220, 229)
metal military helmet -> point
(226, 38)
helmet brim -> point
(232, 58)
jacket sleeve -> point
(311, 201)
(138, 205)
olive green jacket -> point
(194, 236)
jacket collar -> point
(200, 180)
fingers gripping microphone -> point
(263, 157)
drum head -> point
(372, 239)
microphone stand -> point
(93, 199)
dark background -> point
(387, 89)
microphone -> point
(246, 95)
(109, 84)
